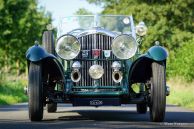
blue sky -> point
(61, 8)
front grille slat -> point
(95, 41)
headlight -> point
(96, 71)
(68, 47)
(124, 46)
(141, 29)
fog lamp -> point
(96, 71)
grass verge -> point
(181, 93)
(12, 92)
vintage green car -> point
(96, 61)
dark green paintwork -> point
(37, 53)
(156, 53)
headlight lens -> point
(124, 46)
(68, 47)
(96, 71)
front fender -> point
(37, 53)
(140, 70)
(51, 65)
(157, 53)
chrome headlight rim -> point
(135, 48)
(57, 42)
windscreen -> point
(115, 23)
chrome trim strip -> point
(97, 30)
(133, 27)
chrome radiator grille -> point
(95, 41)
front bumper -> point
(98, 91)
(100, 94)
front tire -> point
(158, 94)
(51, 107)
(141, 108)
(35, 92)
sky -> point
(62, 8)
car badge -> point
(85, 53)
(96, 53)
(107, 53)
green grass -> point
(182, 93)
(12, 92)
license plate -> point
(96, 102)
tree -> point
(169, 21)
(182, 62)
(83, 11)
(21, 23)
(83, 21)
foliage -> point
(168, 21)
(83, 11)
(12, 92)
(181, 62)
(21, 23)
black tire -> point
(158, 92)
(51, 107)
(48, 42)
(35, 92)
(141, 108)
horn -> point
(117, 76)
(75, 75)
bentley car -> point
(95, 60)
